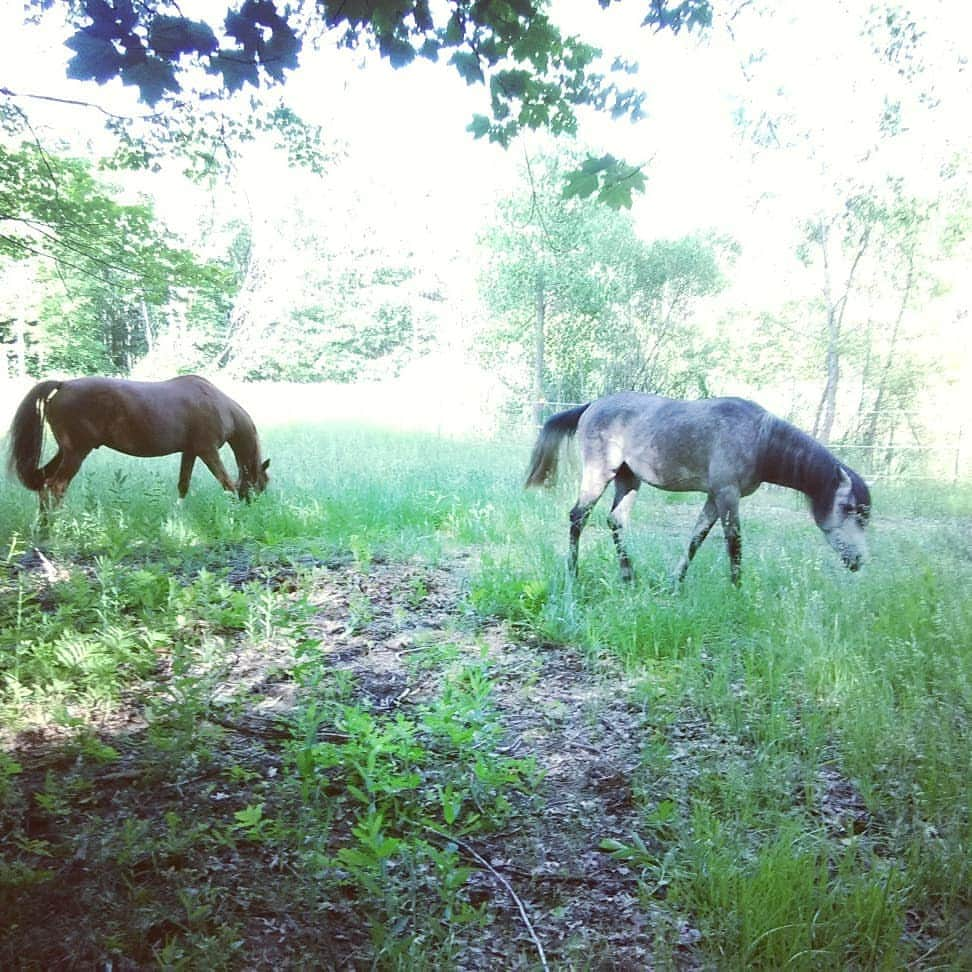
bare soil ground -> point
(126, 849)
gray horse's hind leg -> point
(625, 492)
(578, 517)
(593, 483)
(703, 525)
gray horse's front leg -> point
(700, 531)
(727, 502)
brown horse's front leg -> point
(215, 465)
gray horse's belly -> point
(658, 469)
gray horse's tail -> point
(27, 435)
(543, 462)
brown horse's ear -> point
(266, 465)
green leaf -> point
(613, 180)
(249, 817)
(170, 37)
(95, 59)
(153, 77)
(279, 54)
(467, 64)
(580, 184)
(398, 51)
(236, 67)
(479, 126)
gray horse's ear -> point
(266, 465)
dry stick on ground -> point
(476, 856)
(271, 730)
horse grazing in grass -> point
(724, 447)
(140, 418)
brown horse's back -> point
(142, 418)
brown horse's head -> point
(253, 479)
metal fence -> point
(912, 462)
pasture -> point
(370, 720)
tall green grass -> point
(755, 700)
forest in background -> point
(236, 238)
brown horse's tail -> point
(543, 462)
(27, 435)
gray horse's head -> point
(843, 521)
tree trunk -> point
(539, 348)
(147, 323)
(828, 400)
(20, 347)
(823, 424)
(836, 308)
(871, 431)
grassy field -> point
(369, 721)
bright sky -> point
(411, 123)
(408, 126)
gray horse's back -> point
(675, 445)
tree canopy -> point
(572, 284)
(113, 264)
(537, 76)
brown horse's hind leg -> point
(50, 469)
(703, 525)
(185, 473)
(215, 465)
(44, 497)
(65, 466)
(625, 491)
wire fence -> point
(905, 462)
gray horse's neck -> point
(789, 457)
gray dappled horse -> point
(724, 447)
(187, 414)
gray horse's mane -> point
(790, 457)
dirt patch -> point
(581, 729)
(385, 629)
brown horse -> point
(140, 418)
